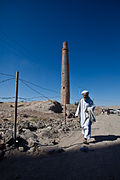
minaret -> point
(65, 85)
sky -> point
(31, 36)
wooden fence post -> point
(16, 101)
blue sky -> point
(31, 37)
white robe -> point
(84, 116)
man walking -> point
(86, 109)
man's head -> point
(85, 94)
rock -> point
(56, 107)
(40, 125)
(25, 115)
(49, 128)
(39, 149)
(24, 124)
(21, 149)
(5, 120)
(45, 106)
(8, 135)
(10, 131)
(55, 142)
(50, 133)
(10, 142)
(20, 130)
(32, 128)
(31, 142)
(31, 150)
(28, 134)
(66, 129)
(71, 115)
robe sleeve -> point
(92, 105)
(78, 110)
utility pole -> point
(65, 110)
(65, 113)
(16, 101)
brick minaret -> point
(65, 85)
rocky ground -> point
(47, 148)
(40, 124)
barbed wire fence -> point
(31, 86)
(27, 84)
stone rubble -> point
(40, 126)
(37, 133)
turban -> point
(85, 92)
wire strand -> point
(7, 97)
(34, 89)
(6, 80)
(7, 75)
(38, 86)
(30, 98)
(42, 95)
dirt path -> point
(101, 159)
(105, 131)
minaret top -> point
(65, 46)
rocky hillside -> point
(39, 124)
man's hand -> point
(86, 111)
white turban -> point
(85, 92)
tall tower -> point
(65, 84)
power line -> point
(6, 80)
(7, 75)
(27, 82)
(41, 95)
(30, 98)
(7, 97)
(33, 89)
(39, 86)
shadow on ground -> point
(97, 139)
(101, 164)
(105, 138)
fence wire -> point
(30, 85)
